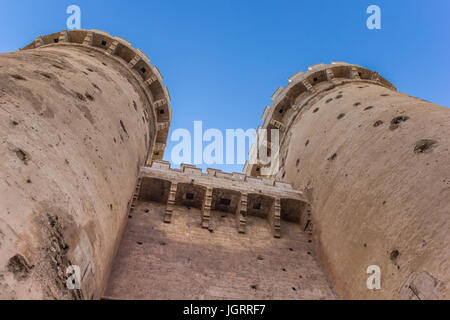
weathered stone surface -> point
(183, 261)
(361, 179)
(378, 178)
(76, 125)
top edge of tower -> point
(309, 81)
(134, 59)
(306, 85)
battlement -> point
(234, 193)
(137, 62)
(303, 87)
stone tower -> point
(375, 164)
(361, 180)
(81, 112)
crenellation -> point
(143, 56)
(241, 212)
(355, 73)
(190, 170)
(167, 93)
(101, 32)
(112, 48)
(161, 164)
(160, 103)
(163, 168)
(123, 41)
(265, 113)
(224, 175)
(238, 176)
(318, 66)
(151, 80)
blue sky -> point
(222, 60)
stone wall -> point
(182, 260)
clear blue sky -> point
(222, 60)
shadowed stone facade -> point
(181, 260)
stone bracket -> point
(134, 61)
(308, 85)
(275, 219)
(150, 80)
(329, 74)
(112, 48)
(241, 211)
(136, 194)
(63, 36)
(88, 39)
(170, 203)
(206, 208)
(355, 73)
(39, 42)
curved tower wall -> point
(81, 112)
(376, 164)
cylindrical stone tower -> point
(376, 165)
(80, 113)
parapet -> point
(302, 88)
(234, 193)
(147, 75)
